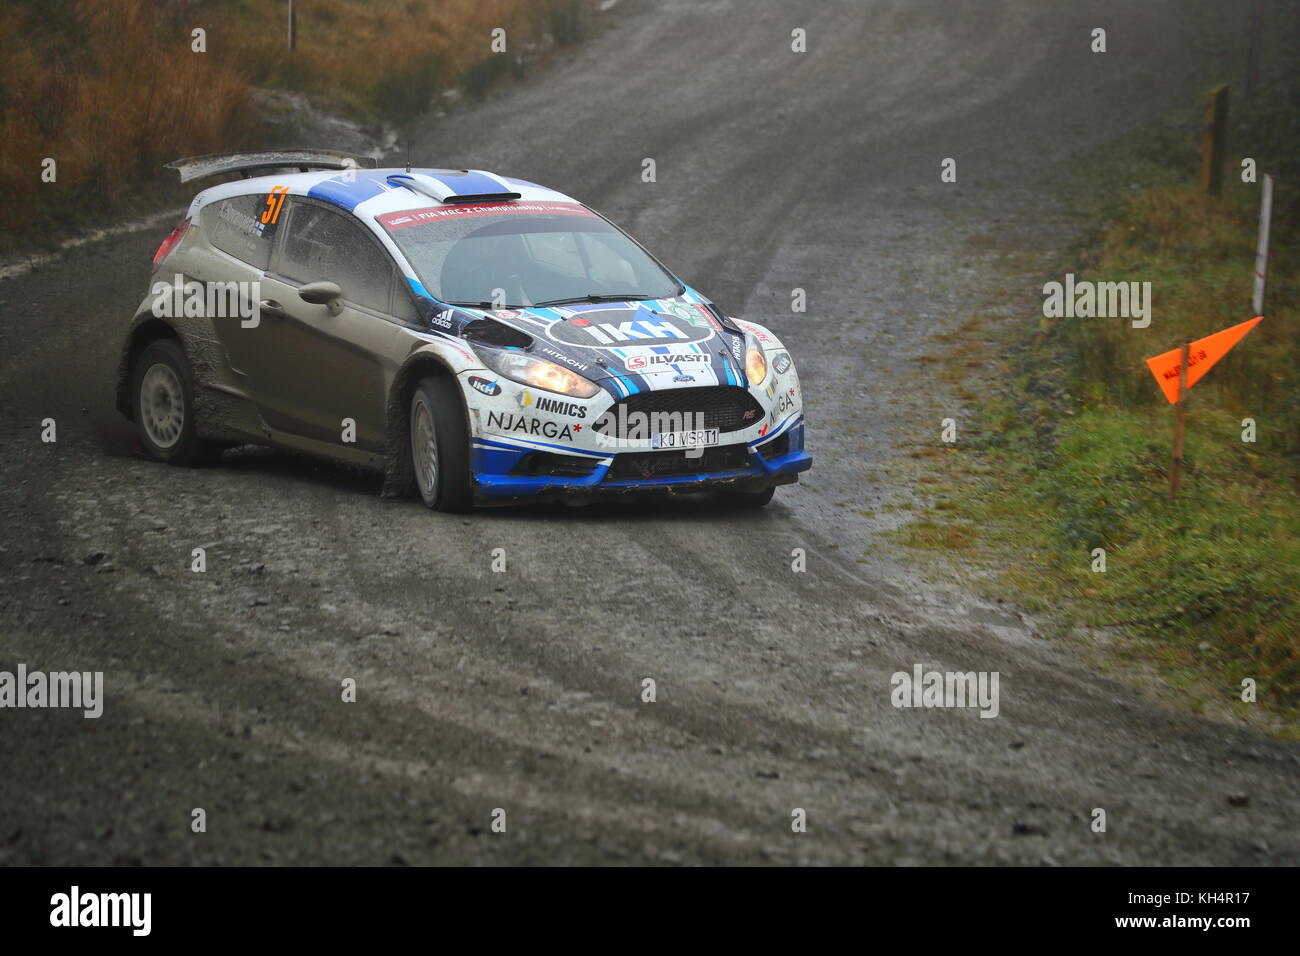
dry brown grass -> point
(111, 89)
(390, 57)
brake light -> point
(170, 243)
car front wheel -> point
(439, 446)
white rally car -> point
(478, 338)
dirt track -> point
(521, 690)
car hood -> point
(635, 346)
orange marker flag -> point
(1202, 354)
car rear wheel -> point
(162, 390)
(439, 446)
(748, 499)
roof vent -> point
(446, 192)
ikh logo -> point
(103, 909)
(611, 329)
(484, 386)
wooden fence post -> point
(1216, 134)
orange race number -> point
(274, 200)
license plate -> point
(693, 439)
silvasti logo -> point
(215, 300)
(923, 688)
(75, 908)
(78, 690)
(635, 362)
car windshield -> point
(524, 254)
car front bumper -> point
(503, 472)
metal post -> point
(1261, 250)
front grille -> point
(542, 464)
(724, 407)
(673, 464)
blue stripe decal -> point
(468, 184)
(349, 190)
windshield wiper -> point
(598, 297)
(485, 305)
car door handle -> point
(270, 308)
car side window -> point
(403, 308)
(234, 226)
(323, 245)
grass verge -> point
(1072, 446)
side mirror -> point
(327, 294)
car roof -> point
(367, 193)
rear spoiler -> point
(197, 167)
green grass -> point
(1072, 446)
(1220, 567)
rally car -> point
(478, 338)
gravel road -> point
(522, 689)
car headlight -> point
(539, 373)
(755, 363)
